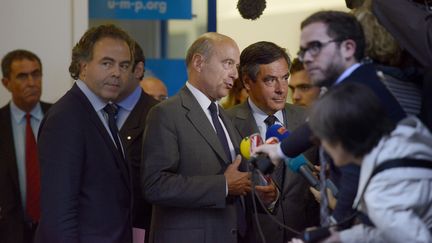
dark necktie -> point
(32, 174)
(219, 130)
(324, 211)
(279, 171)
(111, 110)
(270, 120)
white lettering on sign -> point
(137, 6)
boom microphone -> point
(251, 9)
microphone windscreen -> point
(298, 142)
(294, 164)
(250, 143)
(251, 9)
(278, 131)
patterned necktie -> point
(270, 120)
(324, 211)
(219, 130)
(112, 110)
(32, 173)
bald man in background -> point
(154, 87)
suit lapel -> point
(244, 121)
(200, 121)
(121, 163)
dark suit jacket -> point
(182, 168)
(13, 228)
(346, 178)
(85, 183)
(410, 24)
(131, 134)
(296, 208)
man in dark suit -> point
(189, 145)
(85, 179)
(22, 76)
(137, 104)
(264, 70)
(331, 49)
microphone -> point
(251, 9)
(278, 131)
(261, 161)
(298, 141)
(300, 165)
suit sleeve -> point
(61, 156)
(162, 182)
(411, 25)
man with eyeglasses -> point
(331, 49)
(264, 71)
(19, 166)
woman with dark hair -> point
(354, 129)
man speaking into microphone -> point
(264, 71)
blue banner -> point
(144, 9)
(171, 71)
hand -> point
(331, 199)
(268, 194)
(333, 238)
(270, 150)
(239, 183)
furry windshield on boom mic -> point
(251, 9)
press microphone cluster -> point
(260, 161)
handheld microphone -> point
(300, 165)
(315, 235)
(261, 161)
(278, 131)
(251, 9)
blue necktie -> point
(219, 130)
(112, 109)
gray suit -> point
(296, 207)
(183, 174)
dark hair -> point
(340, 26)
(350, 114)
(138, 57)
(296, 66)
(259, 53)
(14, 55)
(83, 50)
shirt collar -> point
(97, 103)
(19, 114)
(347, 73)
(129, 102)
(202, 99)
(260, 115)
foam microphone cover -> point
(278, 131)
(250, 143)
(251, 9)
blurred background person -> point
(155, 88)
(303, 92)
(396, 68)
(134, 105)
(236, 95)
(19, 164)
(396, 164)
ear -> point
(139, 70)
(83, 70)
(6, 83)
(246, 82)
(198, 62)
(348, 49)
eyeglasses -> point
(314, 48)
